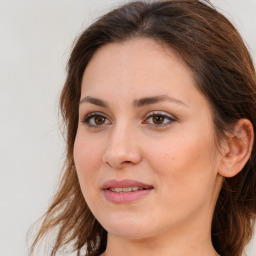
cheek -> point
(87, 158)
(187, 176)
(184, 162)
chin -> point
(127, 227)
(129, 233)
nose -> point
(122, 149)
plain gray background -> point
(35, 42)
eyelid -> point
(160, 113)
(87, 117)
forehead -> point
(137, 68)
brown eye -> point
(96, 120)
(161, 119)
(99, 120)
(157, 119)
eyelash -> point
(163, 115)
(92, 115)
(150, 115)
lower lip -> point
(125, 197)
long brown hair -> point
(224, 73)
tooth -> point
(117, 189)
(127, 189)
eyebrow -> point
(156, 99)
(94, 101)
(137, 103)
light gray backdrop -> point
(35, 42)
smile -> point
(125, 191)
(129, 189)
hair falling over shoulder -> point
(224, 72)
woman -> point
(159, 103)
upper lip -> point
(126, 183)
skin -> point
(179, 158)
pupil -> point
(99, 120)
(158, 119)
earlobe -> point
(237, 149)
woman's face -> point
(145, 152)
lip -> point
(125, 197)
(125, 184)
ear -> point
(237, 148)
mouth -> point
(124, 191)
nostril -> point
(117, 157)
(126, 162)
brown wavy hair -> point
(224, 72)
